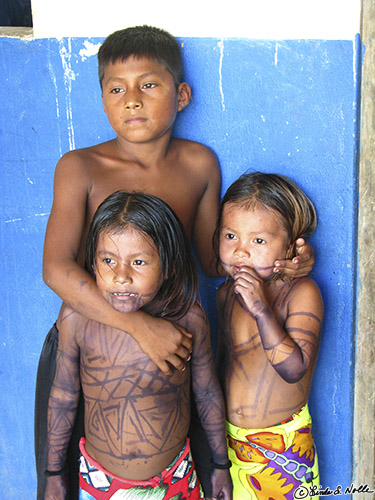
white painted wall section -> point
(265, 19)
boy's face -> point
(140, 99)
(251, 238)
(127, 269)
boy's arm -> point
(210, 403)
(62, 406)
(161, 340)
(206, 214)
(292, 347)
(301, 265)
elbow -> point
(47, 274)
(291, 375)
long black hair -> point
(154, 218)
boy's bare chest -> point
(177, 187)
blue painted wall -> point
(275, 106)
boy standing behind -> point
(142, 90)
(140, 74)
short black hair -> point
(142, 41)
(154, 218)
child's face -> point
(253, 238)
(140, 99)
(127, 269)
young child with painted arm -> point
(269, 338)
(136, 417)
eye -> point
(116, 90)
(259, 241)
(108, 260)
(229, 236)
(149, 85)
(139, 262)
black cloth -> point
(45, 376)
(200, 450)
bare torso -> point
(136, 418)
(256, 395)
(174, 180)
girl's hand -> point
(222, 488)
(250, 287)
(55, 488)
(301, 265)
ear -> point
(104, 107)
(183, 95)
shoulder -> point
(305, 285)
(82, 157)
(197, 155)
(194, 320)
(71, 321)
(76, 157)
(306, 293)
(73, 164)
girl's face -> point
(252, 237)
(127, 269)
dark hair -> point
(155, 219)
(142, 41)
(276, 193)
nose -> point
(242, 251)
(132, 100)
(122, 275)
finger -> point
(184, 332)
(164, 367)
(186, 339)
(177, 362)
(183, 353)
(187, 344)
(301, 244)
(285, 265)
(246, 269)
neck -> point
(146, 153)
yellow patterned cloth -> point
(277, 462)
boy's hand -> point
(164, 342)
(55, 488)
(222, 488)
(299, 266)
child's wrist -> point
(222, 466)
(50, 473)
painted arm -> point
(210, 403)
(62, 406)
(291, 347)
(164, 342)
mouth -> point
(236, 267)
(135, 120)
(123, 295)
